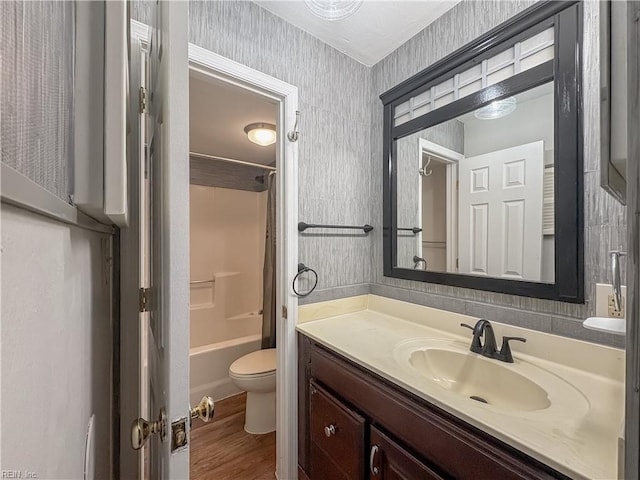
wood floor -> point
(222, 450)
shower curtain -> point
(269, 270)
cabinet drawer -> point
(338, 431)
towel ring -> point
(302, 268)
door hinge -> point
(143, 100)
(457, 263)
(285, 313)
(457, 184)
(145, 300)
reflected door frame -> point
(451, 158)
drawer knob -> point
(330, 430)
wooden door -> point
(165, 335)
(632, 408)
(337, 438)
(389, 461)
(501, 199)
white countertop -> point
(581, 443)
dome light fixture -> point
(333, 10)
(262, 134)
(496, 109)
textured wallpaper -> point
(334, 100)
(341, 151)
(36, 91)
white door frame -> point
(209, 63)
(216, 66)
(451, 158)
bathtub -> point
(209, 363)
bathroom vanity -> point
(389, 389)
(359, 420)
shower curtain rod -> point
(232, 160)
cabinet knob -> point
(330, 430)
(372, 458)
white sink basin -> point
(479, 379)
(499, 386)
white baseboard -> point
(218, 390)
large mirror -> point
(479, 189)
(484, 185)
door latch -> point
(179, 434)
(204, 411)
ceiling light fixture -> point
(333, 10)
(263, 134)
(497, 109)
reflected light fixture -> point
(496, 109)
(262, 134)
(333, 10)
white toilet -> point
(255, 373)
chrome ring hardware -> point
(204, 410)
(141, 430)
(330, 430)
(372, 457)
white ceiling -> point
(218, 113)
(373, 32)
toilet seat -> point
(261, 363)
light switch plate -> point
(603, 291)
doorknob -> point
(141, 430)
(204, 410)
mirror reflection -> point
(475, 194)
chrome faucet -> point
(488, 347)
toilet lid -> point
(253, 363)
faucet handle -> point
(505, 351)
(476, 346)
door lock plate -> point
(179, 437)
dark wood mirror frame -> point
(565, 70)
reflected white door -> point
(501, 200)
(166, 333)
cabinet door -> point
(337, 438)
(389, 461)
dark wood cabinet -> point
(381, 431)
(337, 436)
(389, 461)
